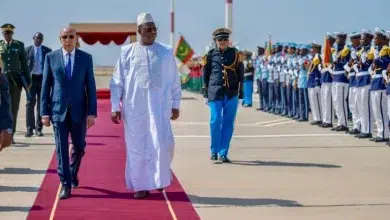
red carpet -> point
(102, 193)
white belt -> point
(338, 72)
(377, 76)
(351, 74)
(248, 74)
(363, 73)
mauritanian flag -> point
(327, 52)
(268, 50)
(183, 50)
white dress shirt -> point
(72, 58)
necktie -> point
(68, 67)
(36, 65)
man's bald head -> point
(68, 30)
(68, 37)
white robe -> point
(147, 84)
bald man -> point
(36, 54)
(71, 107)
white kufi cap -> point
(144, 18)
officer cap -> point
(367, 33)
(292, 45)
(315, 45)
(222, 33)
(381, 33)
(259, 47)
(340, 34)
(306, 47)
(355, 35)
(330, 36)
(7, 28)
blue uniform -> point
(270, 68)
(223, 77)
(303, 112)
(248, 82)
(262, 74)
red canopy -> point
(105, 33)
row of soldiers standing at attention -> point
(297, 79)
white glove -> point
(364, 57)
(353, 54)
(376, 54)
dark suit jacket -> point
(6, 120)
(30, 56)
(59, 93)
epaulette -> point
(332, 50)
(316, 60)
(345, 51)
(370, 54)
(384, 51)
(204, 60)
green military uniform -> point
(14, 60)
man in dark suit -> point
(71, 106)
(35, 60)
(6, 119)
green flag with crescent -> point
(183, 50)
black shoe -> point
(354, 131)
(64, 193)
(224, 159)
(75, 183)
(379, 139)
(214, 156)
(315, 123)
(327, 125)
(39, 133)
(363, 135)
(29, 134)
(342, 128)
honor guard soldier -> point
(249, 72)
(6, 121)
(223, 77)
(326, 87)
(270, 68)
(378, 86)
(314, 84)
(303, 68)
(290, 78)
(15, 67)
(365, 57)
(352, 94)
(341, 56)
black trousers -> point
(77, 130)
(33, 119)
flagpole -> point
(172, 23)
(229, 16)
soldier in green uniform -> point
(13, 55)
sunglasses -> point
(223, 39)
(64, 37)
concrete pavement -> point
(280, 169)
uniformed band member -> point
(314, 84)
(365, 58)
(326, 88)
(378, 85)
(262, 79)
(352, 94)
(341, 56)
(15, 67)
(6, 120)
(36, 54)
(223, 77)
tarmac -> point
(281, 169)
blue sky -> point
(300, 21)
